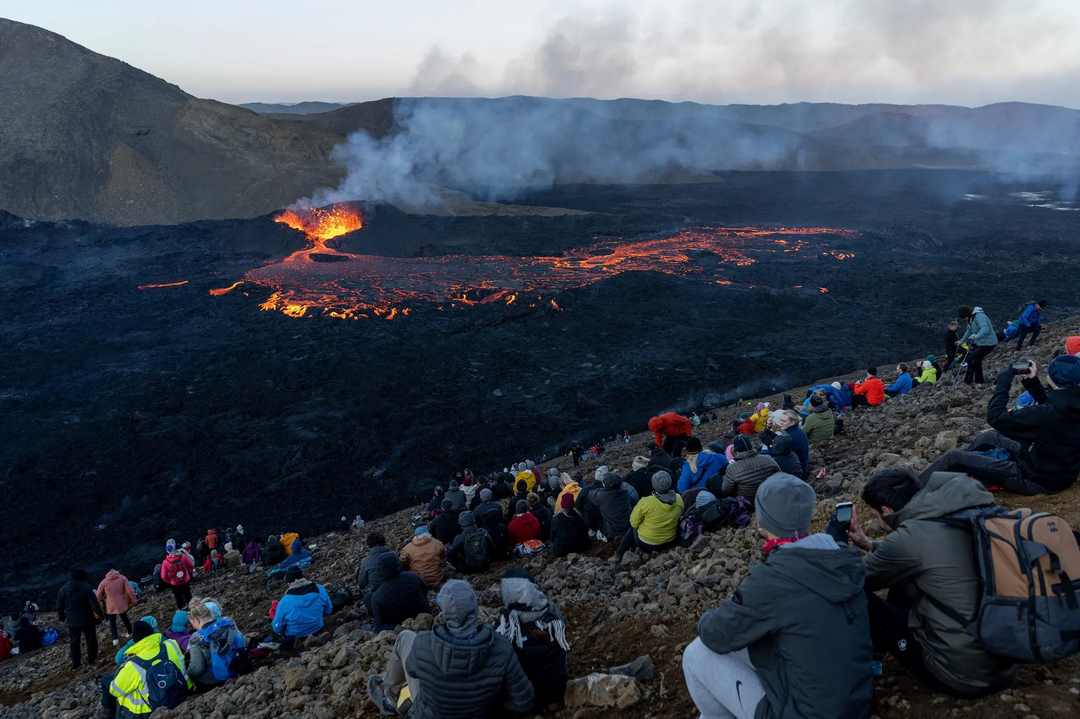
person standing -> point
(1030, 323)
(177, 569)
(77, 606)
(981, 340)
(115, 595)
(952, 341)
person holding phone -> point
(1034, 450)
(929, 569)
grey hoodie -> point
(802, 616)
(924, 557)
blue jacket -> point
(1030, 316)
(300, 612)
(800, 445)
(902, 385)
(980, 330)
(840, 398)
(709, 464)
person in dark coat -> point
(456, 497)
(473, 549)
(370, 576)
(28, 635)
(794, 640)
(273, 553)
(778, 445)
(489, 516)
(460, 668)
(77, 606)
(401, 596)
(748, 471)
(1039, 446)
(445, 527)
(640, 476)
(542, 513)
(568, 530)
(536, 629)
(613, 504)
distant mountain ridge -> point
(87, 136)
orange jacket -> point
(670, 424)
(873, 388)
(424, 555)
(114, 593)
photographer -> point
(1034, 450)
(929, 569)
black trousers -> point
(975, 357)
(1001, 472)
(631, 541)
(112, 624)
(77, 633)
(1024, 332)
(182, 595)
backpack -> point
(49, 637)
(528, 548)
(1029, 573)
(165, 683)
(223, 649)
(175, 571)
(477, 556)
(690, 527)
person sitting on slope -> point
(700, 467)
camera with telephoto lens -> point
(1021, 366)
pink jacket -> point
(114, 593)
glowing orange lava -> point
(219, 291)
(162, 285)
(320, 225)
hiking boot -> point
(378, 696)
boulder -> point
(641, 669)
(602, 690)
(946, 440)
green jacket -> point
(921, 558)
(655, 520)
(819, 426)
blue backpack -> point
(224, 645)
(165, 683)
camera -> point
(1021, 366)
(844, 511)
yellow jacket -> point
(129, 683)
(527, 476)
(760, 419)
(656, 522)
(928, 376)
(572, 489)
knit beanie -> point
(704, 497)
(485, 495)
(567, 501)
(422, 529)
(693, 445)
(533, 499)
(661, 481)
(1064, 371)
(836, 385)
(742, 445)
(785, 505)
(467, 519)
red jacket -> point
(212, 539)
(177, 569)
(747, 427)
(522, 528)
(670, 424)
(873, 388)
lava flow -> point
(323, 280)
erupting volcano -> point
(323, 280)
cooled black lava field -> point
(132, 412)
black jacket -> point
(445, 527)
(463, 678)
(371, 574)
(77, 604)
(489, 515)
(568, 533)
(543, 515)
(545, 664)
(1049, 432)
(613, 503)
(401, 596)
(457, 499)
(641, 480)
(802, 616)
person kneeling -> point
(929, 569)
(794, 641)
(460, 668)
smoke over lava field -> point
(159, 379)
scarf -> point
(526, 604)
(770, 544)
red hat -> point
(567, 501)
(1072, 345)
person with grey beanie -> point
(459, 668)
(795, 637)
(473, 549)
(654, 523)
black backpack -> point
(477, 554)
(165, 683)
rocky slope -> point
(616, 611)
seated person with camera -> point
(929, 569)
(794, 639)
(1034, 450)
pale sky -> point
(966, 52)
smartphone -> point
(844, 512)
(1021, 367)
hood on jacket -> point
(781, 444)
(612, 481)
(944, 493)
(113, 575)
(421, 539)
(303, 586)
(389, 565)
(1066, 402)
(459, 655)
(835, 575)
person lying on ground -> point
(748, 471)
(473, 550)
(425, 556)
(126, 693)
(654, 523)
(1035, 450)
(870, 392)
(536, 629)
(402, 595)
(301, 610)
(929, 569)
(217, 648)
(460, 668)
(701, 465)
(820, 425)
(902, 384)
(794, 640)
(569, 533)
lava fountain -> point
(320, 225)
